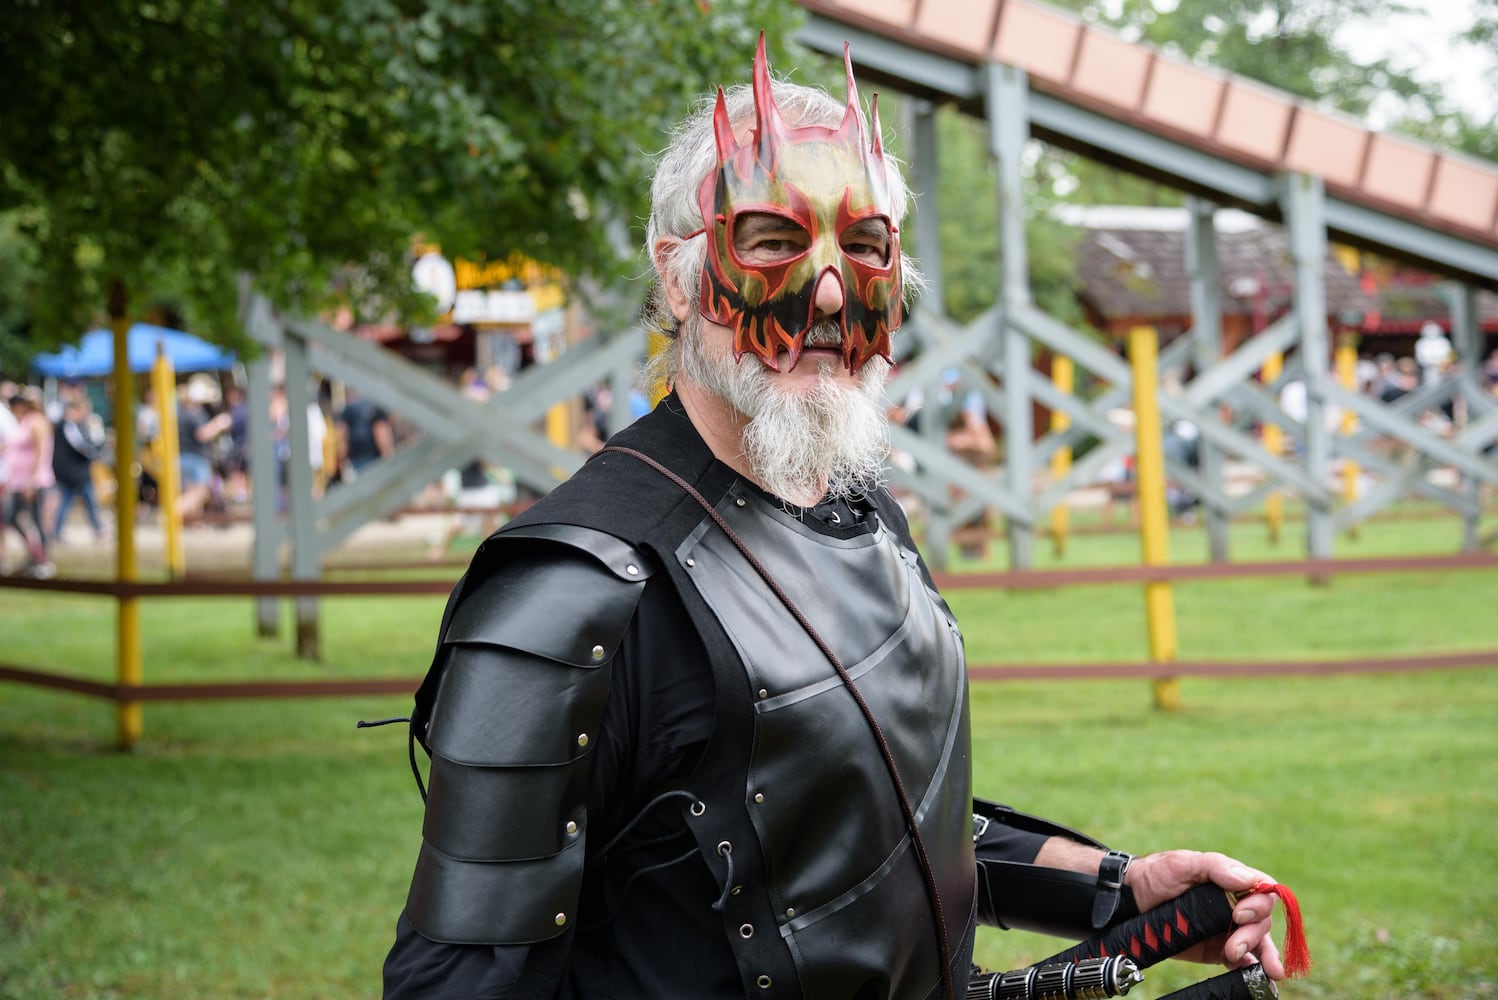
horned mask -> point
(823, 181)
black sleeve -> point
(429, 970)
(418, 967)
(1005, 843)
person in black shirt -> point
(364, 434)
(77, 443)
(698, 719)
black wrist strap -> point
(1110, 876)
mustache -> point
(823, 334)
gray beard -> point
(829, 442)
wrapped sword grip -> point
(1197, 914)
(1241, 984)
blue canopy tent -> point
(94, 355)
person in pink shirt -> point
(28, 457)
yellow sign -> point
(494, 273)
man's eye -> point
(867, 250)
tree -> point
(173, 144)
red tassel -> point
(1297, 955)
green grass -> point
(262, 849)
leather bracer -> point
(1017, 895)
(523, 674)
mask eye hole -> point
(766, 238)
(868, 241)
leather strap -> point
(1110, 876)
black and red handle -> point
(1201, 912)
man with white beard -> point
(698, 720)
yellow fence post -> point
(1347, 375)
(1063, 374)
(1274, 443)
(168, 470)
(128, 721)
(1154, 525)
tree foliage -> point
(1294, 45)
(1288, 44)
(172, 144)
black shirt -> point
(359, 419)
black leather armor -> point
(522, 673)
(826, 887)
(792, 808)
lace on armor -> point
(410, 746)
(635, 875)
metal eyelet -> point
(746, 931)
(763, 982)
(698, 808)
(724, 848)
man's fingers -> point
(1252, 943)
(1252, 909)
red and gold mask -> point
(825, 181)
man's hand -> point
(1156, 878)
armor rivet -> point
(691, 562)
(698, 808)
(561, 919)
(632, 569)
(763, 982)
(763, 693)
(740, 501)
(746, 930)
(571, 827)
(597, 652)
(790, 912)
(582, 739)
(759, 796)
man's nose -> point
(828, 294)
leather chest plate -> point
(840, 870)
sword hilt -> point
(1241, 984)
(1089, 979)
(1199, 913)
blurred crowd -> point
(57, 455)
